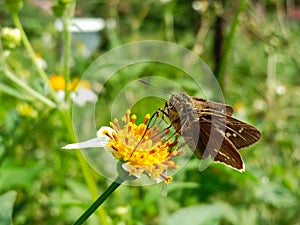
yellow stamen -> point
(116, 123)
(133, 118)
(147, 117)
(105, 132)
(128, 116)
(142, 149)
(124, 120)
(168, 179)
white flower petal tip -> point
(102, 129)
(92, 143)
(71, 146)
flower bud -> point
(11, 37)
(14, 6)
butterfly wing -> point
(201, 103)
(212, 142)
(209, 130)
(220, 137)
(239, 133)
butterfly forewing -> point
(203, 104)
(238, 132)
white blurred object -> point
(86, 31)
(83, 95)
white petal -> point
(92, 143)
(164, 190)
(61, 95)
(159, 179)
(83, 96)
(100, 131)
(100, 141)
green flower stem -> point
(84, 167)
(99, 201)
(229, 40)
(67, 45)
(66, 114)
(10, 75)
(14, 92)
(92, 186)
(27, 88)
(32, 55)
(67, 54)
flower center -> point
(143, 149)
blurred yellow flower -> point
(76, 83)
(57, 82)
(26, 110)
(81, 90)
(239, 106)
(240, 110)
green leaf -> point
(6, 207)
(153, 194)
(276, 195)
(205, 214)
(13, 175)
(12, 121)
(175, 186)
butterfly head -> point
(177, 108)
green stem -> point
(169, 21)
(10, 75)
(229, 40)
(69, 13)
(67, 46)
(84, 167)
(99, 201)
(91, 185)
(27, 88)
(14, 92)
(32, 55)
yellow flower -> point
(26, 110)
(57, 82)
(81, 90)
(141, 149)
(239, 106)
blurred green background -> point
(253, 49)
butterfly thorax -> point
(181, 111)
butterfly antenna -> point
(151, 85)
